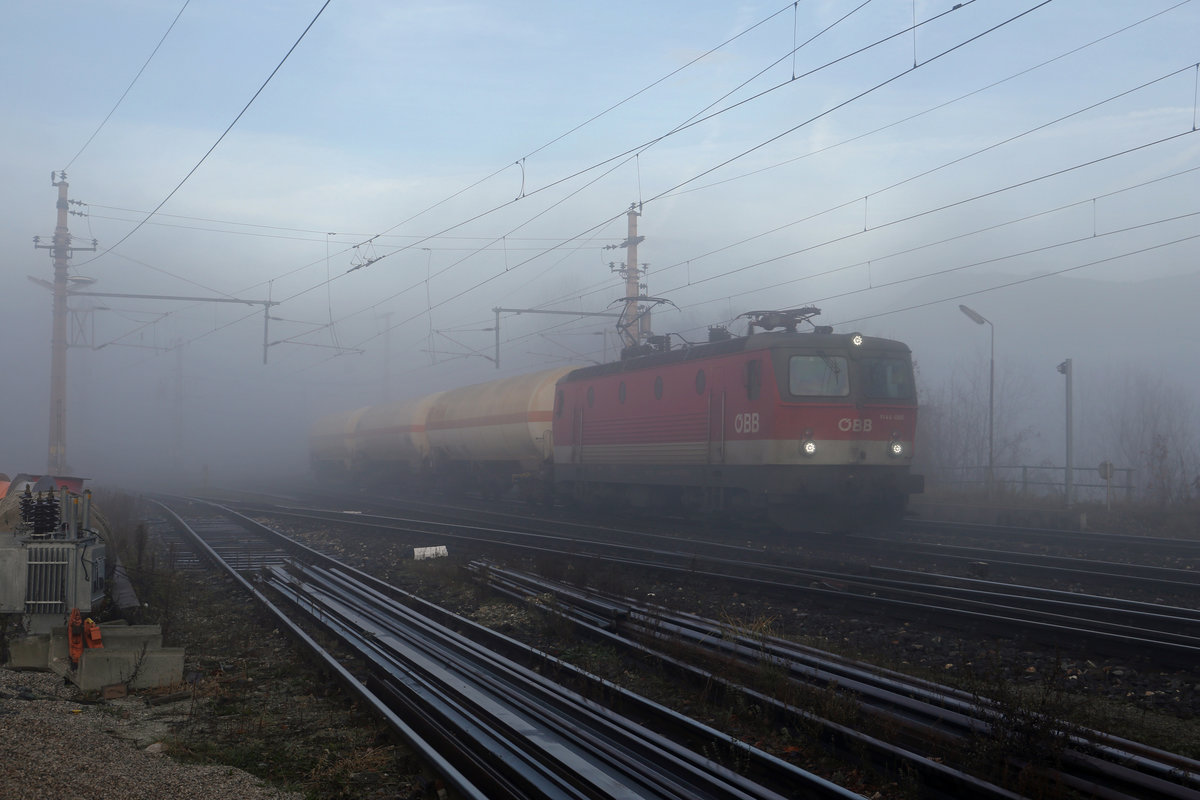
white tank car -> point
(393, 436)
(508, 420)
(331, 442)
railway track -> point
(1168, 636)
(915, 712)
(1105, 540)
(1146, 578)
(1102, 765)
(491, 728)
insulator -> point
(27, 506)
(46, 514)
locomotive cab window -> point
(818, 376)
(886, 378)
(558, 403)
(591, 396)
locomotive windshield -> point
(818, 376)
(886, 378)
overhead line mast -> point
(60, 250)
(632, 326)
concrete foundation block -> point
(132, 656)
(138, 669)
(29, 652)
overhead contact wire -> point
(121, 99)
(599, 287)
(220, 138)
(632, 152)
(654, 141)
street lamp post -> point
(980, 320)
(1069, 482)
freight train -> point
(810, 429)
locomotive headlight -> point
(896, 449)
(809, 448)
(856, 339)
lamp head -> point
(974, 315)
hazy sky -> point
(473, 155)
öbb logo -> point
(746, 423)
(845, 425)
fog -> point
(403, 174)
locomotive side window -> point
(887, 378)
(658, 388)
(699, 381)
(558, 403)
(591, 396)
(753, 379)
(621, 392)
(818, 376)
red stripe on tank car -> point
(391, 430)
(495, 419)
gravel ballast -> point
(54, 746)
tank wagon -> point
(483, 435)
(390, 441)
(331, 444)
(810, 429)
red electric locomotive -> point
(812, 429)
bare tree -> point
(1153, 423)
(952, 432)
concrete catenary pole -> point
(634, 328)
(633, 283)
(60, 250)
(57, 464)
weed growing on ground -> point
(1028, 736)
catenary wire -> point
(497, 172)
(607, 221)
(631, 153)
(748, 151)
(121, 99)
(615, 217)
(602, 286)
(859, 263)
(224, 133)
(647, 144)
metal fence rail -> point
(1039, 481)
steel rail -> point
(489, 687)
(1065, 607)
(489, 777)
(1119, 762)
(1158, 616)
(426, 750)
(938, 779)
(1071, 565)
(430, 685)
(905, 597)
(1042, 534)
(499, 782)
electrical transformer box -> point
(50, 576)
